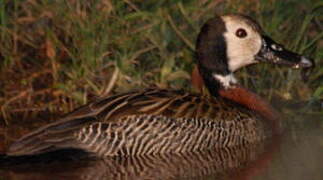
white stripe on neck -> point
(226, 80)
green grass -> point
(57, 55)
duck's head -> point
(227, 43)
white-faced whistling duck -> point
(153, 121)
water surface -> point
(295, 155)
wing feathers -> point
(148, 121)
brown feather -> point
(113, 109)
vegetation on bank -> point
(57, 55)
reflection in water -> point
(297, 155)
(171, 166)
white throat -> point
(227, 81)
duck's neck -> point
(254, 102)
(242, 96)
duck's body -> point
(167, 121)
(149, 121)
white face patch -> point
(226, 80)
(240, 51)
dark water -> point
(296, 155)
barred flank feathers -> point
(145, 122)
(150, 134)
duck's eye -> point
(241, 33)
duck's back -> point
(147, 121)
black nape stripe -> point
(211, 53)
